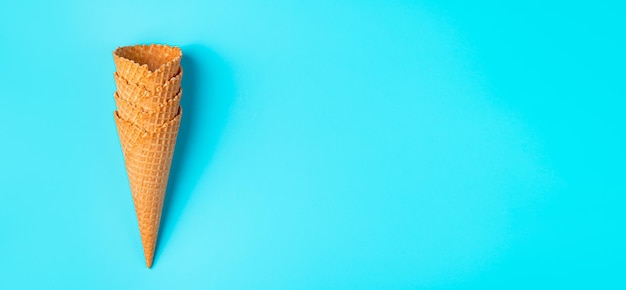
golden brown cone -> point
(147, 65)
(148, 119)
(140, 96)
(148, 156)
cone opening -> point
(154, 56)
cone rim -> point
(152, 109)
(153, 131)
(177, 58)
(170, 82)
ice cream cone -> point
(148, 156)
(139, 95)
(148, 119)
(147, 65)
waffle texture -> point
(148, 119)
(148, 98)
(148, 116)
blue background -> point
(324, 145)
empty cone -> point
(147, 65)
(148, 156)
(148, 116)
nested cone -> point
(148, 156)
(148, 119)
(148, 65)
(141, 96)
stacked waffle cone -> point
(148, 117)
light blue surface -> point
(324, 145)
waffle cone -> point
(148, 156)
(140, 95)
(148, 119)
(147, 65)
